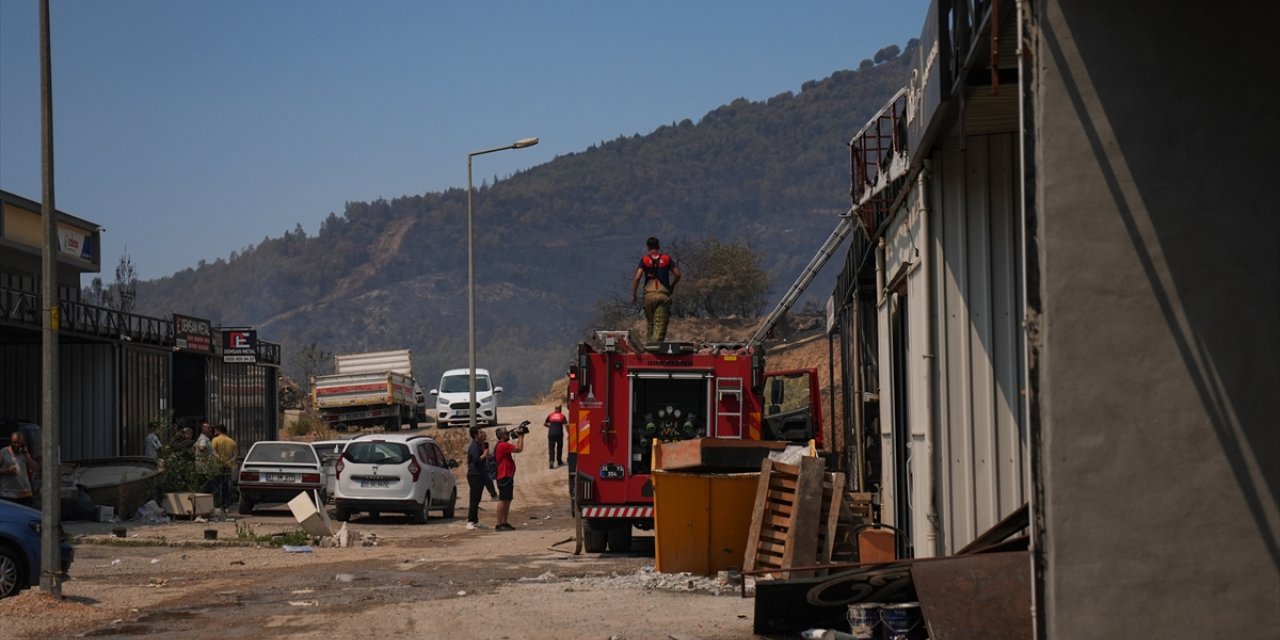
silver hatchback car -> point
(390, 472)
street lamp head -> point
(527, 142)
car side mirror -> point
(497, 389)
(453, 464)
(434, 392)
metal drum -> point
(864, 620)
(902, 622)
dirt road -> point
(436, 580)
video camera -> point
(520, 430)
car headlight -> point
(488, 400)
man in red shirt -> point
(504, 454)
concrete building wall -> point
(1156, 357)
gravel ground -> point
(436, 580)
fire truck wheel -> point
(620, 539)
(594, 541)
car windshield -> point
(288, 452)
(377, 452)
(324, 449)
(462, 384)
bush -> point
(181, 470)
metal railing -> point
(878, 161)
(92, 320)
(23, 308)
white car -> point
(453, 398)
(329, 451)
(391, 472)
(274, 472)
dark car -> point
(20, 548)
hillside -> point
(555, 238)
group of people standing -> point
(485, 468)
(213, 445)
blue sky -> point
(191, 129)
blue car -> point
(20, 548)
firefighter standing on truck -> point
(661, 275)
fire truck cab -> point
(622, 399)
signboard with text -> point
(239, 345)
(192, 334)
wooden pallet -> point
(787, 518)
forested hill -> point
(552, 240)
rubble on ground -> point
(644, 579)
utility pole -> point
(50, 430)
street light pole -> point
(50, 430)
(471, 274)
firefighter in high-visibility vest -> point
(555, 424)
(660, 275)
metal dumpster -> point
(701, 520)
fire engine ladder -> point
(810, 272)
(730, 389)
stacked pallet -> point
(802, 518)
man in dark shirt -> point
(477, 475)
(660, 275)
(555, 424)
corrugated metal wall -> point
(145, 394)
(87, 372)
(20, 381)
(88, 402)
(243, 397)
(982, 438)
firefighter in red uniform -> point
(661, 275)
(555, 424)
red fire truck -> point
(621, 399)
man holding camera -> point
(16, 469)
(504, 454)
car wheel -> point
(341, 514)
(246, 505)
(422, 514)
(452, 506)
(594, 540)
(11, 578)
(620, 538)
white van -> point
(454, 395)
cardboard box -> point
(188, 505)
(309, 513)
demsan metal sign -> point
(240, 345)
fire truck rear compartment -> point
(666, 408)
